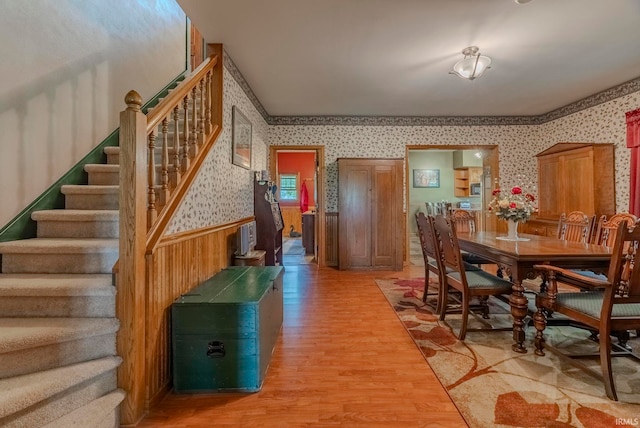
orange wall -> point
(303, 163)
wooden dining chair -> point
(613, 305)
(430, 255)
(605, 229)
(469, 283)
(605, 234)
(575, 226)
(465, 222)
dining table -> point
(516, 260)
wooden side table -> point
(252, 258)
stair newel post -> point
(130, 298)
(175, 173)
(185, 135)
(193, 137)
(164, 192)
(152, 212)
(209, 96)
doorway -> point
(462, 176)
(299, 173)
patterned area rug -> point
(493, 386)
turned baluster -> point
(185, 135)
(152, 212)
(201, 115)
(175, 171)
(208, 103)
(164, 192)
(193, 148)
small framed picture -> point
(426, 178)
(241, 137)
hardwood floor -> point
(343, 359)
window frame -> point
(295, 176)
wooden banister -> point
(181, 129)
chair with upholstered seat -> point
(605, 235)
(575, 226)
(612, 305)
(430, 255)
(469, 283)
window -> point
(288, 187)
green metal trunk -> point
(224, 330)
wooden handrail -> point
(184, 127)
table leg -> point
(518, 302)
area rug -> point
(492, 386)
(292, 247)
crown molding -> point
(593, 100)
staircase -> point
(58, 324)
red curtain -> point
(633, 143)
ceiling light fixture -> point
(472, 65)
(522, 1)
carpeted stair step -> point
(101, 413)
(103, 174)
(57, 295)
(84, 197)
(77, 223)
(30, 345)
(36, 399)
(113, 154)
(59, 255)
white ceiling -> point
(392, 57)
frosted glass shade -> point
(471, 66)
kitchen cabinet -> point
(576, 177)
(463, 178)
(370, 218)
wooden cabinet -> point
(576, 177)
(461, 182)
(370, 218)
(463, 178)
(269, 222)
(536, 226)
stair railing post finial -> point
(133, 100)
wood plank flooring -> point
(343, 359)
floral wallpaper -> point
(224, 192)
(604, 123)
(517, 145)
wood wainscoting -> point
(331, 236)
(291, 216)
(178, 264)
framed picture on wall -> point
(426, 178)
(241, 137)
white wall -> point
(66, 67)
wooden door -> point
(386, 215)
(578, 195)
(550, 188)
(370, 214)
(354, 220)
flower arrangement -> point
(514, 205)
